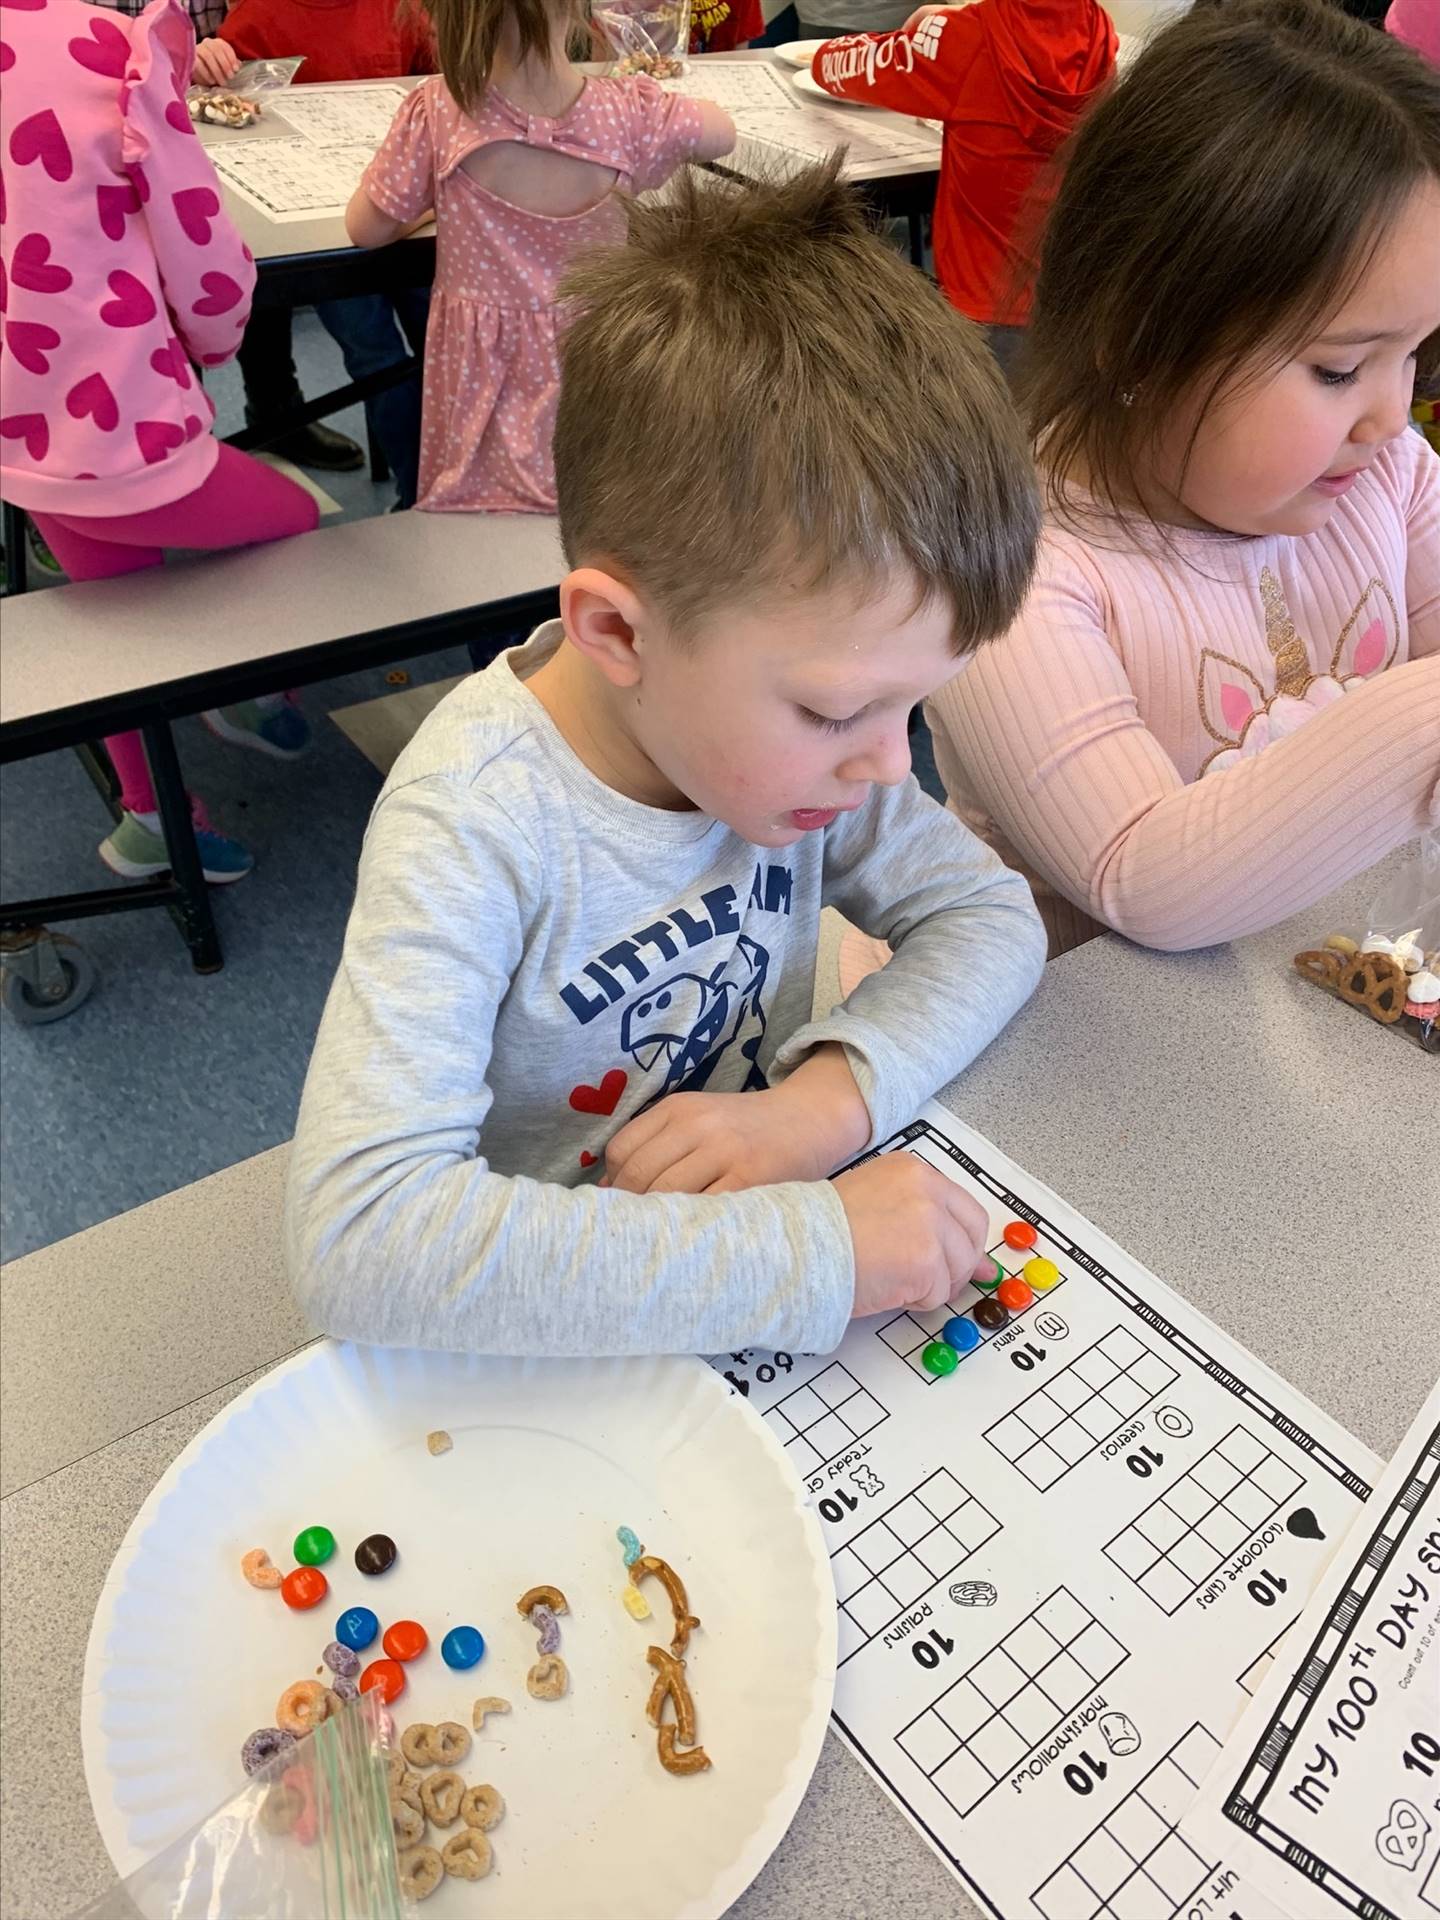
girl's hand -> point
(216, 61)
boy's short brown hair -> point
(758, 393)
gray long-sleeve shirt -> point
(531, 960)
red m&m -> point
(304, 1587)
(385, 1677)
(405, 1640)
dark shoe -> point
(320, 447)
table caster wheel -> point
(43, 976)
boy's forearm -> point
(829, 1110)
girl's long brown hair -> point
(1222, 199)
(467, 37)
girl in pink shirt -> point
(119, 271)
(1222, 696)
(523, 160)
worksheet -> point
(1070, 1522)
(742, 87)
(813, 133)
(293, 179)
(339, 116)
(1328, 1791)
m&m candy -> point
(314, 1545)
(961, 1334)
(385, 1677)
(375, 1553)
(939, 1359)
(356, 1628)
(1014, 1294)
(462, 1647)
(405, 1640)
(304, 1587)
(1019, 1234)
(1042, 1273)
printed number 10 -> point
(927, 1652)
(837, 1505)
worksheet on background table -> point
(1063, 1568)
(340, 116)
(742, 87)
(814, 133)
(293, 179)
(1328, 1791)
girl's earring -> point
(1127, 398)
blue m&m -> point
(462, 1647)
(961, 1334)
(356, 1628)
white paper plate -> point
(807, 83)
(549, 1458)
(800, 52)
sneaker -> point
(39, 552)
(320, 448)
(136, 853)
(283, 732)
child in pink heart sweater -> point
(120, 271)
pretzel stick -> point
(674, 1587)
(670, 1681)
(696, 1760)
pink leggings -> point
(242, 502)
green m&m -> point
(314, 1545)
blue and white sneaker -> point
(136, 851)
(277, 728)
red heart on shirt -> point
(588, 1159)
(112, 204)
(31, 343)
(133, 304)
(32, 268)
(195, 208)
(92, 396)
(106, 52)
(221, 294)
(39, 138)
(602, 1099)
(156, 438)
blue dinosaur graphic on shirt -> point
(691, 1020)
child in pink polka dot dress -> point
(523, 159)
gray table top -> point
(1241, 1133)
(271, 240)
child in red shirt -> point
(1009, 78)
(340, 40)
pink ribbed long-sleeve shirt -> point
(1190, 745)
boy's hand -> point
(215, 62)
(919, 1238)
(719, 1142)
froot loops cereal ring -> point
(550, 1597)
(259, 1570)
(468, 1855)
(307, 1820)
(449, 1743)
(440, 1796)
(280, 1809)
(694, 1760)
(341, 1659)
(439, 1441)
(548, 1678)
(344, 1688)
(421, 1871)
(542, 1618)
(482, 1807)
(302, 1707)
(408, 1822)
(263, 1745)
(488, 1703)
(415, 1744)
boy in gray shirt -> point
(567, 1096)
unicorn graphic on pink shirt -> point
(1239, 712)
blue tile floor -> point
(162, 1076)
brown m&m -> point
(375, 1553)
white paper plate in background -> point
(800, 52)
(807, 83)
(549, 1458)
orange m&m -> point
(1019, 1234)
(386, 1677)
(405, 1640)
(304, 1587)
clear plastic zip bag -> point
(309, 1837)
(1390, 968)
(649, 38)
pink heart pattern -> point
(142, 185)
(105, 52)
(7, 57)
(194, 426)
(195, 208)
(221, 294)
(32, 268)
(156, 438)
(25, 6)
(4, 288)
(39, 138)
(113, 204)
(132, 305)
(30, 343)
(170, 361)
(29, 427)
(91, 398)
(177, 116)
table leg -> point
(197, 923)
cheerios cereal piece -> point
(450, 1743)
(258, 1570)
(440, 1796)
(542, 1618)
(482, 1807)
(635, 1603)
(263, 1745)
(488, 1703)
(439, 1442)
(280, 1809)
(421, 1871)
(302, 1707)
(550, 1597)
(548, 1678)
(396, 1767)
(416, 1744)
(406, 1788)
(468, 1854)
(408, 1822)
